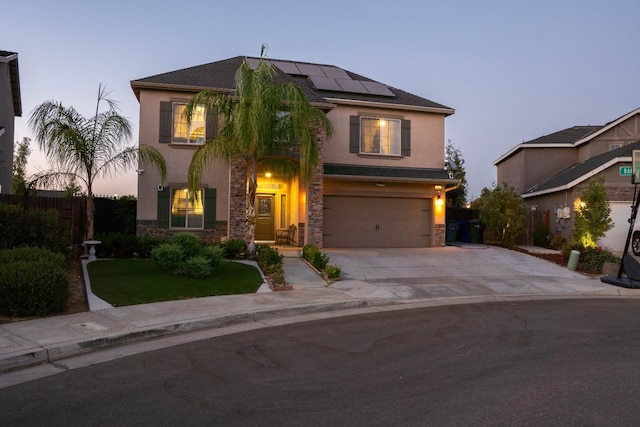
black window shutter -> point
(211, 124)
(354, 134)
(405, 137)
(210, 208)
(163, 208)
(166, 119)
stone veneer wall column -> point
(314, 225)
(439, 239)
(237, 199)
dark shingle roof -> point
(220, 75)
(384, 172)
(565, 136)
(583, 168)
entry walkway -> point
(371, 280)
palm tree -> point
(260, 118)
(87, 148)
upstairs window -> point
(193, 133)
(380, 136)
(174, 128)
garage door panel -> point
(376, 222)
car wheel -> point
(635, 243)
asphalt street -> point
(547, 362)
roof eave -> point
(372, 178)
(445, 111)
(606, 127)
(578, 180)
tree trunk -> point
(90, 216)
(251, 201)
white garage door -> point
(376, 222)
(615, 238)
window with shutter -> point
(379, 136)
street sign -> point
(626, 170)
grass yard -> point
(123, 282)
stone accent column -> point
(439, 235)
(237, 199)
(314, 225)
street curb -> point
(37, 354)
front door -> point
(265, 228)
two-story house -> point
(552, 172)
(10, 108)
(381, 180)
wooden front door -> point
(265, 220)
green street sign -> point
(626, 170)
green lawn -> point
(138, 281)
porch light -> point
(267, 174)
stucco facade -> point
(10, 107)
(413, 176)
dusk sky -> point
(512, 70)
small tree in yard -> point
(503, 212)
(593, 215)
(20, 185)
(86, 149)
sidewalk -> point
(371, 280)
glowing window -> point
(190, 134)
(380, 136)
(186, 209)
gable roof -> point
(568, 138)
(582, 171)
(323, 84)
(11, 58)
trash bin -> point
(475, 231)
(464, 231)
(452, 231)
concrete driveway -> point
(469, 271)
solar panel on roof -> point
(353, 86)
(336, 72)
(310, 69)
(287, 67)
(376, 88)
(325, 83)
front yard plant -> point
(33, 282)
(187, 255)
(320, 261)
(270, 261)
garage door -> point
(376, 222)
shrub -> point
(235, 248)
(214, 255)
(33, 282)
(332, 271)
(167, 256)
(31, 255)
(309, 251)
(593, 259)
(196, 267)
(320, 260)
(312, 254)
(268, 258)
(557, 241)
(32, 227)
(189, 242)
(541, 236)
(147, 243)
(116, 245)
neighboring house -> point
(552, 172)
(10, 108)
(369, 190)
